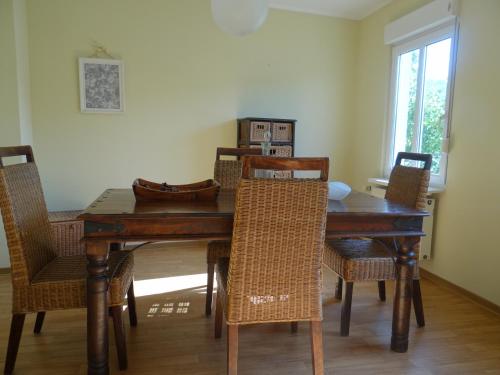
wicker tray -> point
(151, 191)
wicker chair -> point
(42, 280)
(227, 173)
(68, 232)
(274, 272)
(373, 260)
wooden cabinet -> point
(251, 132)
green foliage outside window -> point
(434, 97)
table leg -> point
(97, 307)
(402, 299)
(115, 246)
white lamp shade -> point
(239, 17)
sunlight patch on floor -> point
(169, 284)
(203, 290)
(169, 308)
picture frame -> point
(101, 85)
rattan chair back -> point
(277, 245)
(25, 217)
(408, 185)
(228, 172)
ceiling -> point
(352, 9)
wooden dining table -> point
(116, 217)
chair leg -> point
(381, 290)
(294, 327)
(218, 316)
(317, 348)
(40, 316)
(338, 289)
(132, 312)
(345, 318)
(16, 329)
(417, 303)
(121, 346)
(210, 288)
(232, 349)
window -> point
(421, 84)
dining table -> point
(116, 217)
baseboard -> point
(459, 290)
(4, 271)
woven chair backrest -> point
(228, 172)
(25, 219)
(277, 248)
(408, 185)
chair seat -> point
(62, 284)
(58, 216)
(218, 249)
(361, 260)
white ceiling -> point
(352, 9)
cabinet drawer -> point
(282, 132)
(280, 151)
(258, 129)
(283, 151)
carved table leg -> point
(97, 307)
(115, 246)
(402, 299)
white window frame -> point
(449, 30)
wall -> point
(9, 115)
(186, 82)
(15, 109)
(22, 72)
(15, 101)
(465, 251)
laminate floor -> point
(174, 336)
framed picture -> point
(101, 85)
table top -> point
(121, 203)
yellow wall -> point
(15, 111)
(15, 108)
(466, 250)
(9, 131)
(186, 82)
(9, 115)
(23, 75)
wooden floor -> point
(174, 337)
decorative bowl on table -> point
(338, 190)
(144, 190)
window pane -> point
(406, 96)
(434, 100)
